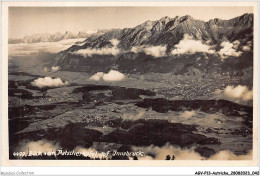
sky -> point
(31, 20)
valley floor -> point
(158, 114)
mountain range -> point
(180, 45)
(46, 37)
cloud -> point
(136, 49)
(248, 46)
(37, 146)
(45, 69)
(49, 82)
(228, 155)
(239, 92)
(111, 76)
(151, 152)
(188, 114)
(188, 45)
(137, 116)
(229, 49)
(102, 51)
(24, 49)
(55, 68)
(97, 77)
(159, 153)
(114, 42)
(156, 51)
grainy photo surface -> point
(130, 83)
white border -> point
(4, 133)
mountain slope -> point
(167, 45)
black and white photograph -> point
(131, 83)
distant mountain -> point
(163, 46)
(46, 37)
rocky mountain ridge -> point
(176, 45)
